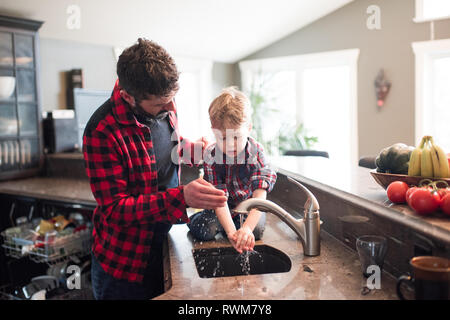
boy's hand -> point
(245, 240)
(232, 236)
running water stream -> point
(243, 260)
(244, 257)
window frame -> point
(203, 68)
(425, 52)
(419, 18)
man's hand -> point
(202, 194)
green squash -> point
(394, 159)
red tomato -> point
(409, 193)
(437, 197)
(445, 204)
(396, 191)
(443, 192)
(424, 201)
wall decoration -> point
(382, 87)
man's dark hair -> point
(146, 68)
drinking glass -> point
(371, 251)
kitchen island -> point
(356, 185)
(352, 204)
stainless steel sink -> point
(227, 262)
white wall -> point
(389, 49)
(58, 56)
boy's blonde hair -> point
(230, 109)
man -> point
(127, 146)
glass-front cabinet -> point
(20, 110)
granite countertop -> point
(334, 274)
(51, 188)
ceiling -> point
(219, 30)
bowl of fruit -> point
(385, 179)
(419, 177)
(411, 165)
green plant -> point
(290, 136)
(261, 109)
(294, 137)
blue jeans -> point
(205, 225)
(106, 287)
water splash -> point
(216, 268)
(244, 260)
(244, 257)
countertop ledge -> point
(355, 185)
(51, 188)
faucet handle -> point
(239, 211)
(311, 204)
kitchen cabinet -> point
(21, 146)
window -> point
(316, 90)
(428, 10)
(278, 89)
(326, 110)
(193, 97)
(432, 95)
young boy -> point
(235, 164)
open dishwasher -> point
(47, 252)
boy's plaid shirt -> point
(241, 176)
(121, 166)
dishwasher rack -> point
(22, 241)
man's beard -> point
(140, 111)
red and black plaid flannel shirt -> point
(121, 166)
(242, 176)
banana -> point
(414, 168)
(426, 162)
(440, 162)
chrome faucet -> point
(307, 228)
